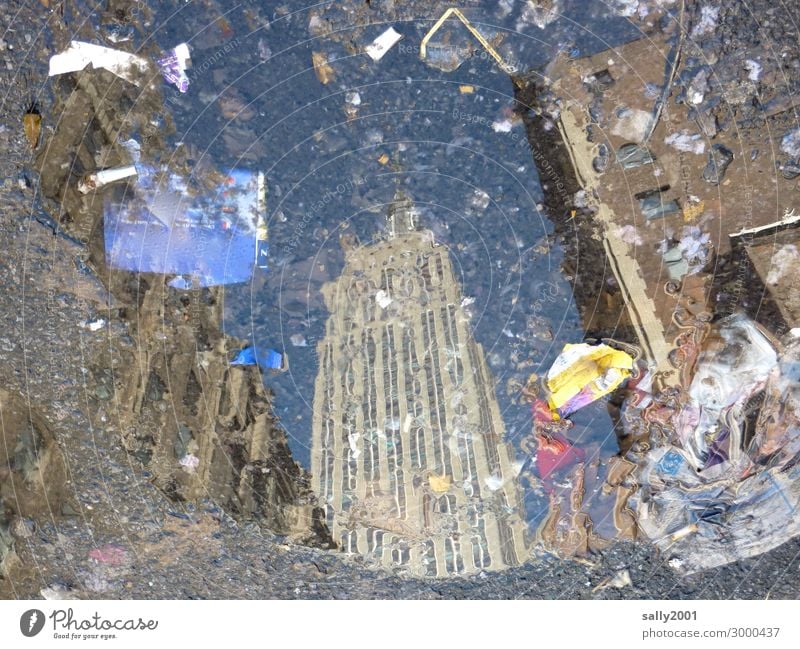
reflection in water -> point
(408, 454)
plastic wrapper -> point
(719, 474)
(583, 373)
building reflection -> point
(408, 456)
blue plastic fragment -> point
(247, 356)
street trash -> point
(785, 261)
(583, 373)
(690, 255)
(631, 156)
(383, 299)
(271, 360)
(173, 66)
(100, 179)
(298, 340)
(172, 225)
(719, 157)
(189, 462)
(556, 454)
(440, 484)
(94, 325)
(502, 125)
(539, 12)
(620, 580)
(32, 124)
(655, 207)
(753, 69)
(78, 55)
(112, 555)
(383, 44)
(448, 57)
(686, 141)
(632, 124)
(180, 282)
(708, 21)
(676, 265)
(262, 233)
(322, 68)
(695, 246)
(717, 461)
(790, 143)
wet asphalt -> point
(45, 351)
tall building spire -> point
(402, 216)
(408, 453)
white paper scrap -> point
(383, 44)
(79, 54)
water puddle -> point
(421, 240)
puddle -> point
(437, 233)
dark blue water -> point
(332, 168)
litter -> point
(298, 340)
(189, 462)
(262, 233)
(719, 157)
(174, 64)
(32, 124)
(632, 124)
(247, 356)
(440, 484)
(78, 55)
(181, 283)
(686, 141)
(708, 21)
(583, 373)
(655, 207)
(556, 454)
(619, 580)
(383, 299)
(94, 325)
(785, 261)
(452, 11)
(322, 68)
(502, 126)
(631, 156)
(99, 179)
(695, 247)
(171, 225)
(720, 480)
(753, 69)
(383, 44)
(790, 143)
(539, 13)
(676, 265)
(112, 555)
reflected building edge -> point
(408, 456)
